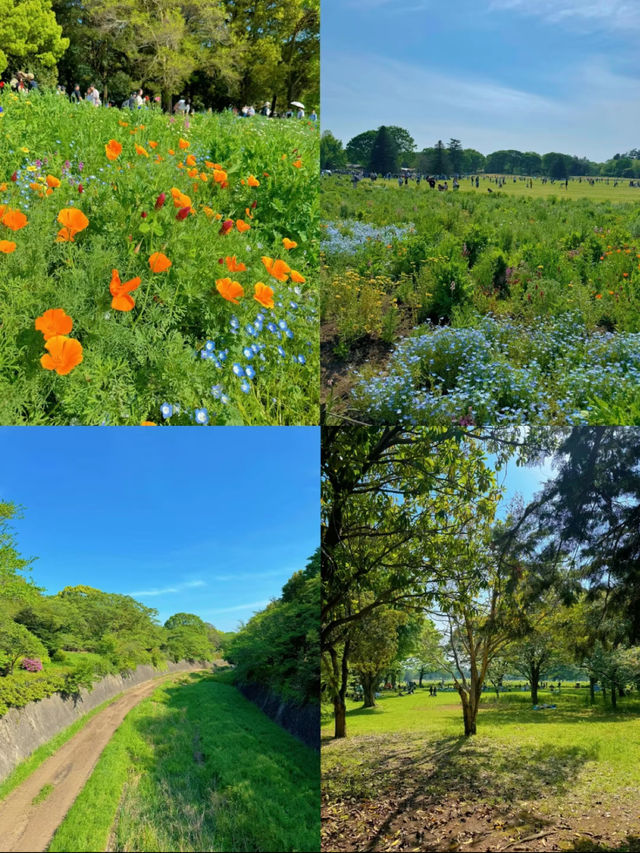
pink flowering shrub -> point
(31, 664)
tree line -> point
(278, 648)
(80, 633)
(217, 52)
(387, 149)
(422, 572)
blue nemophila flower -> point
(205, 354)
(216, 390)
(302, 359)
(201, 416)
(294, 305)
(251, 331)
(234, 323)
(210, 346)
(248, 352)
(255, 348)
(238, 369)
(283, 325)
(289, 333)
(223, 354)
(281, 351)
(224, 399)
(166, 410)
(272, 327)
(245, 387)
(249, 371)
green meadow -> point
(405, 775)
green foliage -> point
(384, 153)
(197, 746)
(278, 647)
(31, 38)
(332, 154)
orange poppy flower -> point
(219, 176)
(123, 123)
(209, 212)
(64, 354)
(191, 160)
(7, 246)
(179, 198)
(14, 219)
(120, 291)
(158, 262)
(142, 151)
(53, 181)
(171, 151)
(183, 143)
(289, 244)
(54, 322)
(233, 265)
(73, 221)
(204, 177)
(152, 144)
(230, 290)
(192, 173)
(278, 269)
(113, 149)
(148, 423)
(263, 294)
(598, 296)
(252, 181)
(295, 276)
(242, 226)
(298, 163)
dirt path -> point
(28, 827)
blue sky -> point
(207, 521)
(535, 75)
(522, 481)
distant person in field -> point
(93, 96)
(477, 182)
(180, 106)
(76, 94)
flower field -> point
(477, 309)
(155, 270)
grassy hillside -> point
(198, 767)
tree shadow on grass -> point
(585, 845)
(521, 715)
(409, 773)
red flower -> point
(226, 226)
(80, 188)
(160, 201)
(183, 213)
(144, 214)
(14, 177)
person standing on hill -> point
(93, 96)
(76, 94)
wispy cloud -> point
(168, 590)
(590, 14)
(252, 605)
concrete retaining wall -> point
(23, 730)
(302, 722)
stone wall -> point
(23, 730)
(301, 721)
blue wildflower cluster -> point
(502, 373)
(346, 237)
(250, 351)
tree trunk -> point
(273, 105)
(621, 691)
(369, 683)
(614, 696)
(592, 690)
(340, 717)
(166, 101)
(534, 680)
(421, 674)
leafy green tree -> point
(439, 162)
(374, 646)
(404, 142)
(332, 154)
(455, 154)
(17, 642)
(279, 646)
(384, 153)
(359, 148)
(30, 36)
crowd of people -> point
(24, 82)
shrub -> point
(31, 664)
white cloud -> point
(168, 590)
(253, 605)
(588, 114)
(590, 14)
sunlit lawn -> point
(572, 761)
